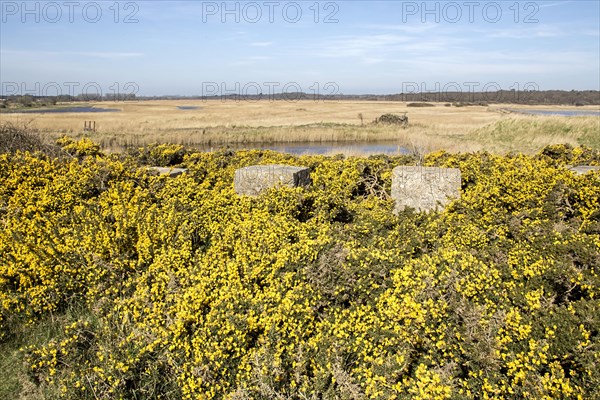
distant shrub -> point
(392, 119)
(420, 105)
(467, 104)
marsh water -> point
(87, 109)
(318, 148)
(81, 109)
(563, 113)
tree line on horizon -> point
(543, 97)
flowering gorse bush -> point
(186, 290)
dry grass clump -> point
(24, 137)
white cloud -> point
(560, 3)
(361, 46)
(101, 54)
(252, 60)
(261, 44)
(380, 48)
(372, 60)
(98, 54)
(406, 28)
(534, 32)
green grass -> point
(529, 134)
(14, 382)
(11, 367)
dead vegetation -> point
(23, 138)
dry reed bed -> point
(218, 122)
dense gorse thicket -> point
(171, 288)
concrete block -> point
(171, 172)
(583, 169)
(256, 179)
(424, 188)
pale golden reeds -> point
(219, 123)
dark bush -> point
(392, 119)
(420, 105)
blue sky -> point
(349, 47)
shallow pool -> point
(564, 113)
(83, 109)
(317, 148)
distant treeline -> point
(549, 97)
(21, 101)
(587, 97)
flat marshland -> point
(218, 123)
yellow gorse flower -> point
(178, 288)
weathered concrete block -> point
(172, 172)
(583, 169)
(424, 188)
(256, 179)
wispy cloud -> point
(97, 54)
(541, 31)
(252, 60)
(362, 46)
(111, 55)
(261, 44)
(560, 3)
(406, 28)
(591, 32)
(533, 32)
(372, 60)
(379, 48)
(370, 46)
